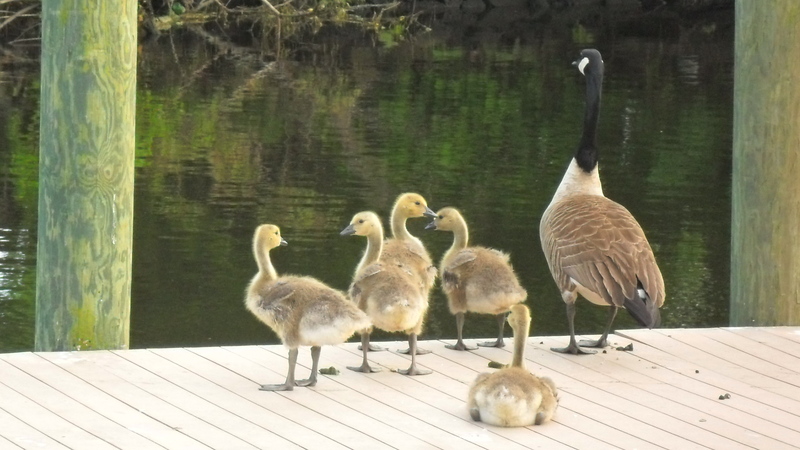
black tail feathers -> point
(642, 308)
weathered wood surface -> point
(86, 165)
(663, 394)
(765, 188)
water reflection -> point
(225, 143)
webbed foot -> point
(460, 345)
(420, 351)
(499, 343)
(572, 348)
(414, 370)
(276, 387)
(599, 343)
(373, 348)
(365, 368)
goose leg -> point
(501, 323)
(603, 341)
(460, 345)
(289, 384)
(412, 350)
(312, 379)
(573, 344)
(364, 347)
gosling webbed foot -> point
(499, 343)
(277, 387)
(475, 413)
(373, 348)
(414, 370)
(420, 351)
(307, 382)
(365, 368)
(460, 345)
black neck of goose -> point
(586, 155)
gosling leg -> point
(364, 347)
(289, 384)
(412, 349)
(312, 379)
(460, 345)
(501, 323)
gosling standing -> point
(475, 279)
(300, 310)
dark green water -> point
(226, 141)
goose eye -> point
(417, 203)
(441, 216)
(361, 221)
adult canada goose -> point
(512, 396)
(594, 247)
(300, 310)
(475, 279)
(391, 294)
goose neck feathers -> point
(590, 64)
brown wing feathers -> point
(599, 244)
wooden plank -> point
(365, 394)
(445, 368)
(790, 333)
(582, 384)
(627, 375)
(6, 444)
(23, 435)
(142, 390)
(782, 342)
(750, 400)
(68, 409)
(305, 421)
(709, 354)
(310, 399)
(569, 427)
(104, 404)
(759, 350)
(445, 395)
(47, 422)
(768, 362)
(256, 425)
(663, 394)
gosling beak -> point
(283, 242)
(348, 231)
(431, 226)
(429, 213)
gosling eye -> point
(361, 221)
(417, 203)
(441, 216)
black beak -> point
(429, 213)
(348, 231)
(431, 226)
(283, 242)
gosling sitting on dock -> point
(513, 397)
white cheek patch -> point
(581, 65)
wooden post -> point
(86, 163)
(765, 234)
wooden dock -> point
(718, 388)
